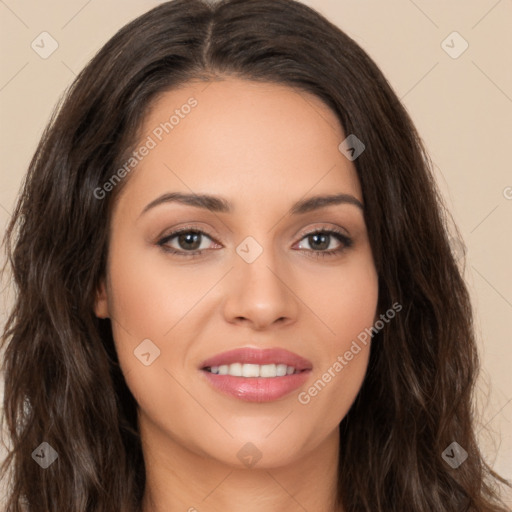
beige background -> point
(462, 107)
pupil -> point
(190, 238)
(324, 244)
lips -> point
(248, 355)
(257, 389)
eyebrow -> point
(221, 205)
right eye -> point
(189, 242)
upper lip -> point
(249, 355)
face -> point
(260, 267)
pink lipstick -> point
(256, 375)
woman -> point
(232, 273)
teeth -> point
(253, 370)
(281, 370)
(234, 369)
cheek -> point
(346, 303)
(150, 293)
(342, 300)
(153, 299)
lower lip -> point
(257, 389)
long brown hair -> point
(63, 383)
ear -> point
(101, 301)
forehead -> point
(249, 141)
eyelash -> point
(341, 237)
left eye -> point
(321, 240)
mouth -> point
(256, 375)
(265, 371)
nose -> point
(260, 293)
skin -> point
(262, 147)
